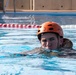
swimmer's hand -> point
(17, 55)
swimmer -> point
(50, 35)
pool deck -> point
(48, 10)
(18, 10)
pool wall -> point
(53, 5)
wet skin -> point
(50, 41)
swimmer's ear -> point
(61, 41)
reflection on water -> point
(38, 18)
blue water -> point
(18, 40)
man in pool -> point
(50, 35)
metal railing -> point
(7, 3)
(14, 3)
(4, 7)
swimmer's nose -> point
(49, 43)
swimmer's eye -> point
(51, 39)
(44, 40)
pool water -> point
(18, 40)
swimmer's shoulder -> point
(67, 49)
(67, 43)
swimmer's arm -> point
(67, 52)
(25, 53)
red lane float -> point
(18, 26)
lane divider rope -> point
(31, 26)
(18, 26)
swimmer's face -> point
(50, 41)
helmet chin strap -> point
(58, 44)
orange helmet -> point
(49, 27)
